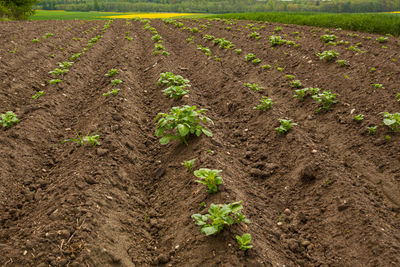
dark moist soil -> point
(326, 194)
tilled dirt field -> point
(325, 194)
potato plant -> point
(326, 38)
(286, 125)
(169, 79)
(116, 82)
(112, 73)
(327, 55)
(244, 241)
(250, 57)
(176, 91)
(295, 84)
(180, 123)
(209, 178)
(223, 43)
(391, 120)
(113, 92)
(253, 86)
(189, 164)
(205, 50)
(359, 118)
(372, 129)
(58, 71)
(81, 140)
(218, 216)
(38, 94)
(266, 103)
(55, 81)
(8, 119)
(276, 40)
(326, 99)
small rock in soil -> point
(101, 151)
(293, 245)
(162, 259)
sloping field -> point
(324, 194)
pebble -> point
(101, 151)
(162, 259)
(305, 243)
(287, 211)
(63, 233)
(279, 223)
(314, 151)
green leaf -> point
(209, 230)
(389, 121)
(206, 132)
(164, 140)
(183, 129)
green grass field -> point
(383, 23)
(67, 15)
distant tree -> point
(17, 9)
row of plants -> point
(181, 123)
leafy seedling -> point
(342, 63)
(180, 123)
(112, 73)
(398, 97)
(113, 92)
(189, 164)
(58, 71)
(391, 120)
(250, 57)
(328, 38)
(116, 82)
(266, 67)
(8, 119)
(359, 118)
(256, 61)
(253, 86)
(295, 84)
(156, 38)
(276, 40)
(36, 40)
(176, 91)
(301, 93)
(244, 241)
(372, 129)
(218, 216)
(266, 103)
(326, 99)
(382, 39)
(55, 81)
(38, 94)
(47, 35)
(377, 86)
(238, 51)
(65, 64)
(92, 140)
(169, 79)
(290, 77)
(285, 126)
(327, 55)
(209, 178)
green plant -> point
(116, 81)
(38, 94)
(342, 62)
(169, 78)
(205, 50)
(75, 56)
(326, 38)
(180, 123)
(359, 118)
(327, 55)
(289, 76)
(377, 86)
(112, 92)
(194, 30)
(58, 71)
(276, 40)
(54, 81)
(218, 216)
(189, 164)
(238, 51)
(36, 40)
(326, 99)
(279, 69)
(190, 39)
(244, 241)
(266, 67)
(112, 73)
(47, 35)
(285, 126)
(382, 39)
(313, 91)
(254, 35)
(156, 38)
(398, 97)
(301, 93)
(65, 64)
(253, 86)
(158, 47)
(209, 178)
(372, 129)
(278, 29)
(223, 43)
(256, 61)
(250, 57)
(387, 137)
(295, 84)
(176, 91)
(208, 37)
(129, 38)
(266, 103)
(391, 120)
(92, 140)
(8, 119)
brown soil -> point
(333, 188)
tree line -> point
(16, 9)
(222, 6)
